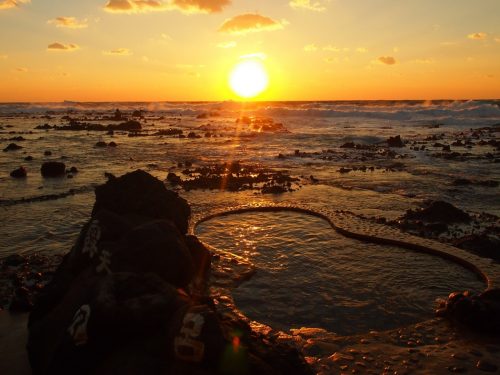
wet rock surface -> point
(131, 297)
(235, 176)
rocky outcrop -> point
(131, 297)
(439, 211)
(480, 312)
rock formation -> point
(131, 297)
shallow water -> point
(52, 226)
(309, 275)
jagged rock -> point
(12, 147)
(395, 141)
(53, 169)
(439, 211)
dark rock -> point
(19, 173)
(274, 189)
(101, 144)
(481, 244)
(47, 153)
(73, 170)
(53, 169)
(43, 127)
(14, 260)
(480, 312)
(191, 135)
(348, 145)
(174, 179)
(446, 148)
(139, 193)
(22, 301)
(344, 170)
(462, 182)
(131, 125)
(395, 141)
(486, 366)
(28, 158)
(439, 211)
(112, 144)
(12, 147)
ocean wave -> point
(442, 111)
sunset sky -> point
(143, 50)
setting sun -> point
(248, 79)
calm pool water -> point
(309, 275)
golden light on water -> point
(248, 79)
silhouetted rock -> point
(28, 158)
(115, 305)
(395, 141)
(112, 144)
(439, 211)
(139, 193)
(128, 126)
(12, 147)
(53, 169)
(101, 144)
(47, 153)
(19, 173)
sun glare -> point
(248, 79)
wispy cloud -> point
(250, 22)
(21, 70)
(231, 44)
(118, 52)
(361, 50)
(317, 6)
(56, 46)
(186, 6)
(387, 60)
(4, 57)
(311, 48)
(424, 61)
(477, 36)
(7, 4)
(331, 48)
(69, 22)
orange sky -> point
(130, 50)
